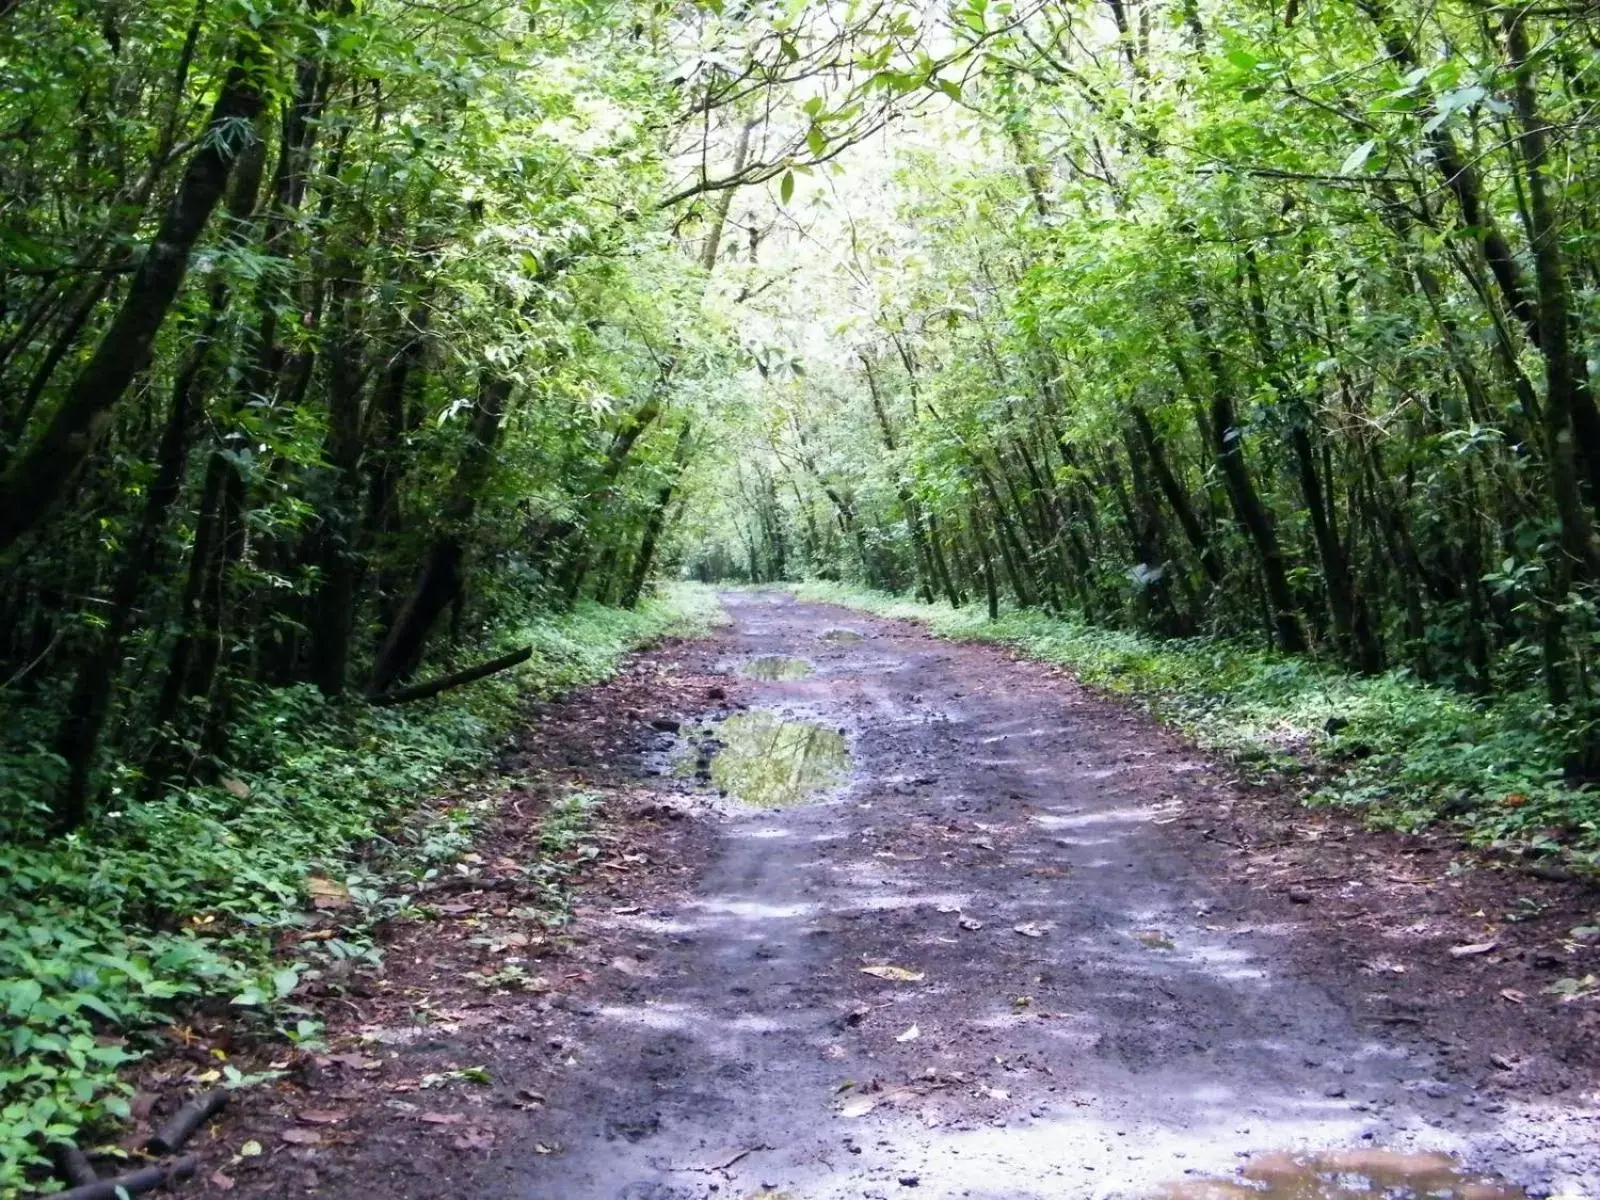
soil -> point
(1034, 947)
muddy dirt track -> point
(1034, 948)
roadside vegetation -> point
(1405, 753)
(1245, 356)
(198, 899)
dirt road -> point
(1031, 947)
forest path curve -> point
(1104, 1001)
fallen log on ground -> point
(433, 687)
(145, 1179)
(181, 1126)
(72, 1164)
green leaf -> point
(23, 995)
(1358, 158)
(786, 187)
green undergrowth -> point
(1408, 754)
(107, 934)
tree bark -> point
(440, 578)
(33, 484)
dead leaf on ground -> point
(475, 1139)
(301, 1137)
(1033, 929)
(948, 908)
(970, 924)
(442, 1118)
(237, 787)
(1514, 996)
(321, 1116)
(1474, 948)
(897, 974)
(859, 1107)
(541, 1148)
(326, 893)
(250, 1149)
(357, 1062)
(1154, 939)
(223, 1183)
(909, 1035)
(1569, 989)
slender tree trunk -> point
(1177, 498)
(333, 605)
(439, 580)
(90, 702)
(32, 485)
(657, 521)
(1227, 443)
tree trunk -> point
(440, 578)
(652, 530)
(33, 484)
(1227, 443)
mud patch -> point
(1347, 1175)
(775, 667)
(771, 762)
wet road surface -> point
(992, 964)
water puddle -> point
(776, 666)
(841, 635)
(769, 762)
(1347, 1175)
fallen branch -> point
(716, 1167)
(433, 687)
(72, 1164)
(146, 1179)
(169, 1139)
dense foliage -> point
(345, 346)
(1269, 322)
(199, 897)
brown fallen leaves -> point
(326, 893)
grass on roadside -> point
(1408, 754)
(107, 933)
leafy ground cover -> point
(111, 932)
(1408, 754)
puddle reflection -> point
(772, 763)
(1347, 1175)
(776, 666)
